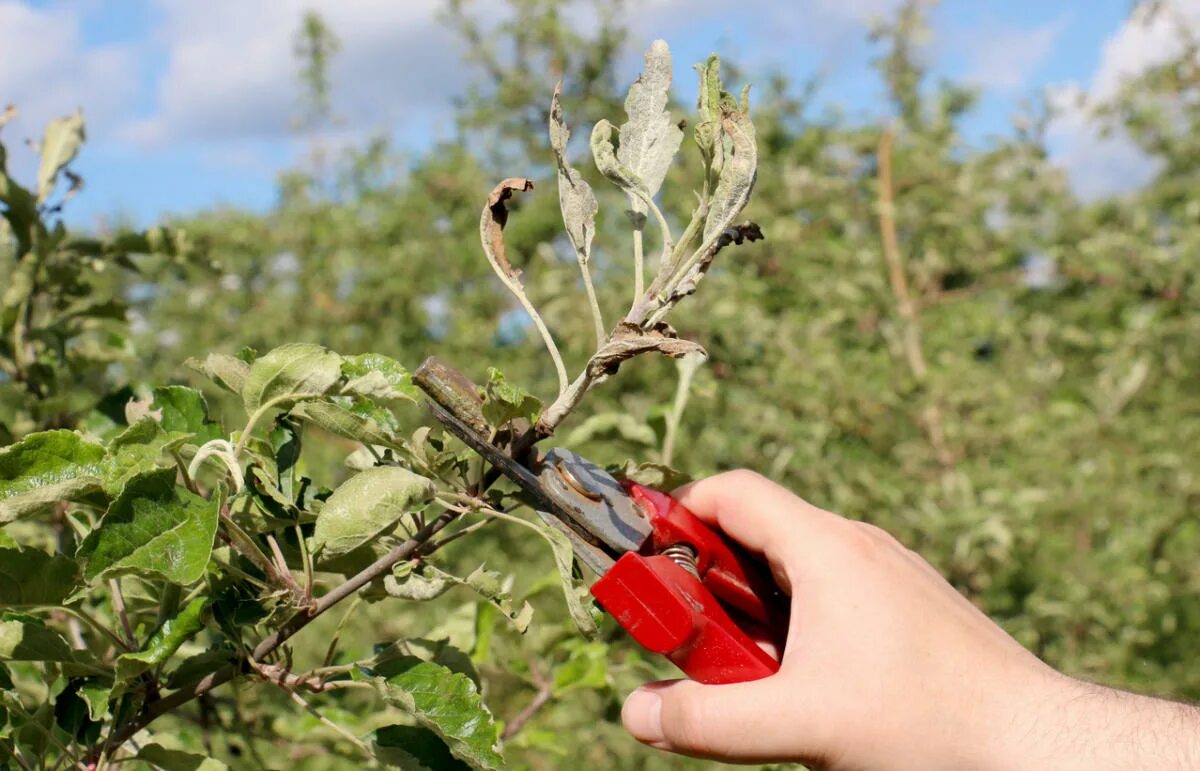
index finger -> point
(754, 511)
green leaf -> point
(378, 377)
(420, 583)
(31, 577)
(504, 401)
(164, 642)
(130, 459)
(656, 475)
(46, 468)
(587, 667)
(649, 139)
(153, 529)
(24, 638)
(177, 760)
(96, 695)
(427, 582)
(413, 748)
(223, 369)
(579, 604)
(73, 714)
(64, 136)
(366, 506)
(184, 410)
(447, 703)
(339, 420)
(291, 370)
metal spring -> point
(683, 555)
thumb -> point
(736, 722)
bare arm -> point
(887, 666)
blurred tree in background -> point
(937, 337)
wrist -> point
(1073, 724)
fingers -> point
(754, 511)
(739, 722)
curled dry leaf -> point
(629, 340)
(734, 234)
(495, 217)
(737, 174)
(608, 164)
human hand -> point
(886, 665)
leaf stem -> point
(118, 601)
(241, 541)
(551, 347)
(257, 415)
(639, 266)
(590, 289)
(687, 366)
(92, 622)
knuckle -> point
(863, 540)
(744, 478)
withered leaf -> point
(734, 234)
(608, 164)
(650, 139)
(629, 340)
(737, 174)
(493, 220)
(575, 196)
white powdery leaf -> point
(650, 139)
(738, 172)
(575, 196)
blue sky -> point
(190, 103)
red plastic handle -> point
(670, 611)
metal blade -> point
(551, 511)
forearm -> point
(1086, 726)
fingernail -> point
(642, 715)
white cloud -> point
(1105, 165)
(231, 73)
(46, 71)
(1005, 59)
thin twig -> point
(931, 414)
(118, 601)
(544, 693)
(280, 680)
(156, 708)
(284, 571)
(92, 622)
(491, 225)
(471, 528)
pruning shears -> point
(677, 586)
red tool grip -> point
(670, 611)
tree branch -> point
(931, 414)
(540, 699)
(159, 707)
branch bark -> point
(931, 414)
